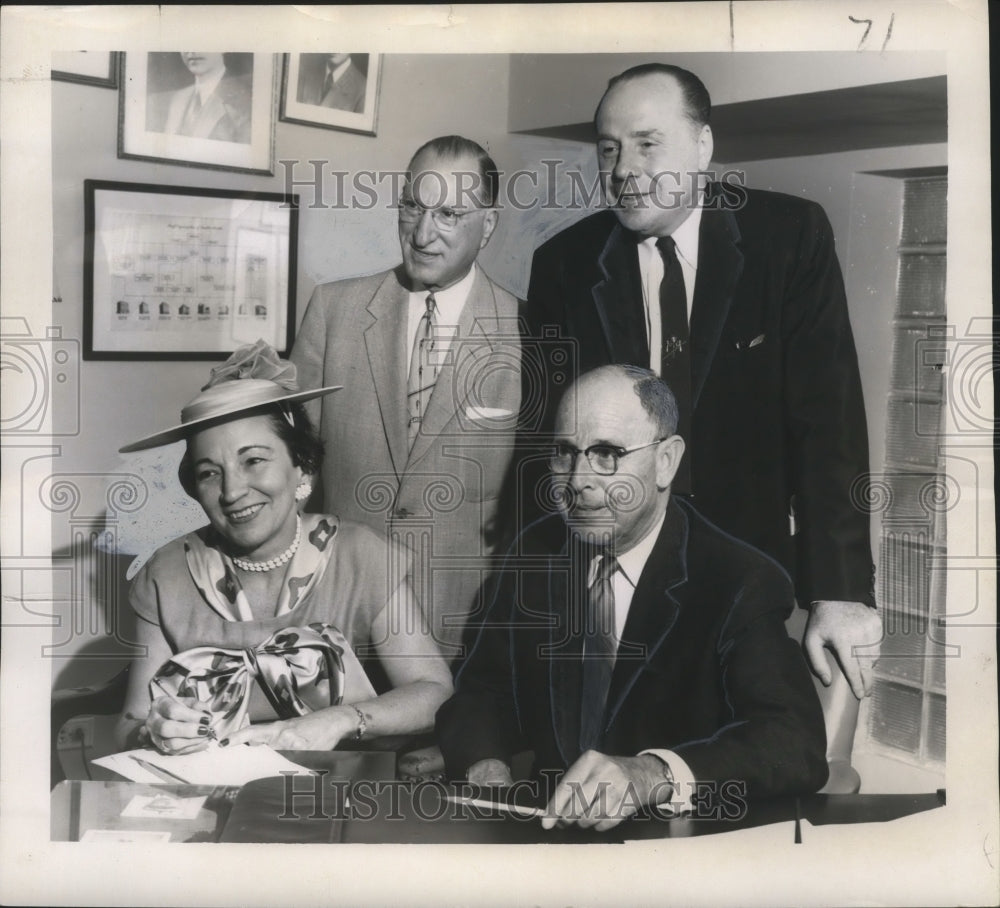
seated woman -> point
(256, 618)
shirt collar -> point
(685, 237)
(450, 301)
(207, 84)
(632, 562)
(338, 70)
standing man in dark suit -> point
(429, 355)
(736, 297)
(331, 80)
(646, 658)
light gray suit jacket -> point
(441, 499)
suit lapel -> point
(385, 343)
(211, 112)
(720, 264)
(654, 609)
(618, 299)
(478, 321)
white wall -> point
(559, 89)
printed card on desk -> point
(215, 765)
(163, 806)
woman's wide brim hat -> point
(252, 379)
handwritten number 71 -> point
(868, 27)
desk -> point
(356, 799)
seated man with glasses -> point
(429, 357)
(645, 663)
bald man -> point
(645, 661)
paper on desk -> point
(235, 765)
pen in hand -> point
(209, 730)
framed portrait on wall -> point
(198, 109)
(332, 91)
(86, 67)
(186, 273)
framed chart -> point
(178, 273)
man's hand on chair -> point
(853, 631)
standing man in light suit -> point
(430, 358)
(735, 297)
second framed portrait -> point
(332, 91)
(199, 109)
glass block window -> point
(906, 716)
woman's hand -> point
(321, 730)
(178, 725)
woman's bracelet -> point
(362, 724)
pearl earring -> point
(303, 491)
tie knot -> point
(606, 567)
(431, 304)
(667, 247)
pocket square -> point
(756, 342)
(480, 413)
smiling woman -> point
(252, 625)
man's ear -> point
(706, 147)
(489, 225)
(668, 459)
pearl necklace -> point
(278, 560)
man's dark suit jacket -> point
(779, 420)
(717, 678)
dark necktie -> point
(598, 653)
(675, 355)
(423, 373)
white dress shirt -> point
(651, 273)
(208, 83)
(338, 71)
(623, 581)
(450, 303)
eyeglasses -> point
(444, 218)
(603, 459)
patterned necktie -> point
(675, 355)
(599, 653)
(423, 370)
